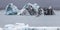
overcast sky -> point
(21, 3)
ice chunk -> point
(21, 26)
(9, 27)
(11, 9)
(49, 11)
(17, 26)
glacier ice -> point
(30, 9)
(11, 9)
(49, 11)
(9, 27)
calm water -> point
(42, 20)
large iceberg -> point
(49, 11)
(11, 9)
(31, 9)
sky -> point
(21, 3)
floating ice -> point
(11, 9)
(17, 26)
(30, 9)
(49, 11)
(9, 27)
(22, 26)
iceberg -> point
(9, 27)
(11, 9)
(30, 9)
(49, 11)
